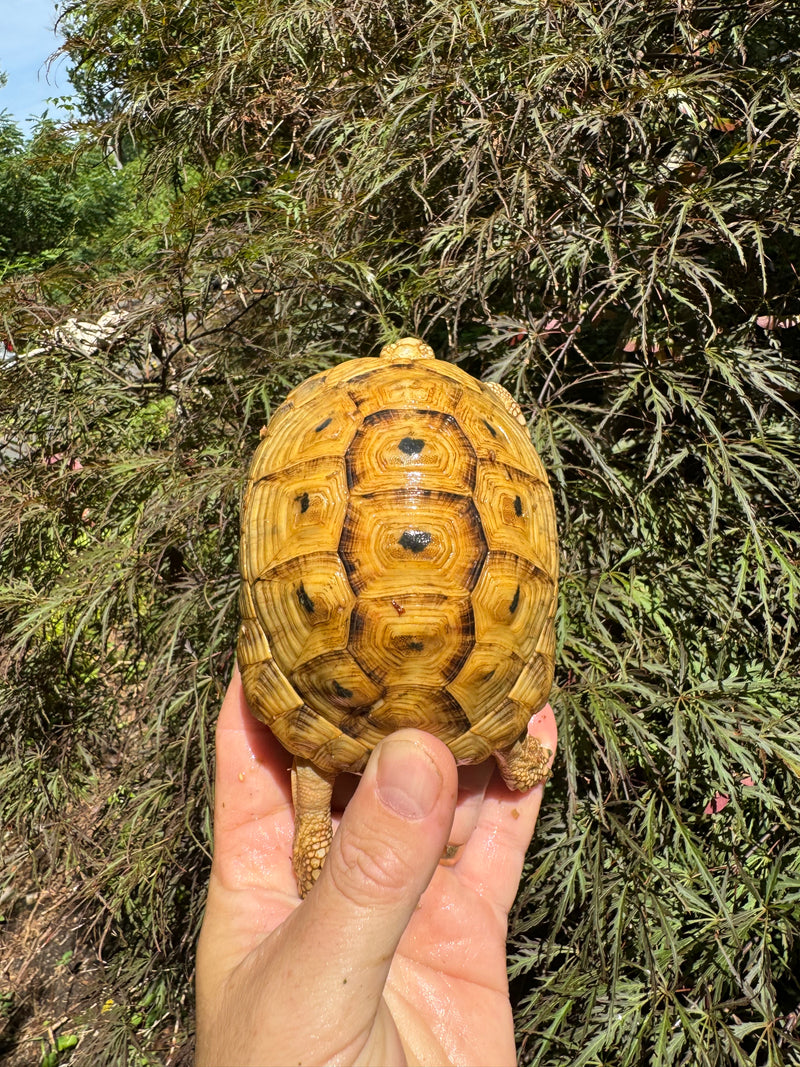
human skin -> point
(393, 957)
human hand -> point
(393, 957)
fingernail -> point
(408, 781)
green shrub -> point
(597, 206)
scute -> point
(496, 435)
(304, 606)
(253, 647)
(411, 386)
(402, 540)
(304, 732)
(412, 639)
(322, 426)
(269, 690)
(486, 678)
(396, 450)
(516, 513)
(424, 708)
(499, 727)
(297, 511)
(533, 683)
(334, 683)
(512, 602)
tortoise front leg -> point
(311, 794)
(523, 764)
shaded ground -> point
(48, 983)
(55, 1007)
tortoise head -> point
(406, 348)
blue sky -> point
(26, 40)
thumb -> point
(382, 858)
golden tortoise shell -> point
(399, 563)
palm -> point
(447, 989)
(446, 997)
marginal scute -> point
(311, 387)
(503, 724)
(531, 688)
(252, 646)
(304, 732)
(470, 747)
(343, 753)
(508, 401)
(269, 692)
(546, 645)
(410, 386)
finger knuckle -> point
(370, 867)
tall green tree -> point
(56, 203)
(595, 204)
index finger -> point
(492, 860)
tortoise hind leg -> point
(524, 763)
(311, 794)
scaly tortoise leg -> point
(312, 790)
(523, 764)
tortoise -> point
(399, 565)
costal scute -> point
(399, 566)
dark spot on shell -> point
(486, 677)
(515, 602)
(416, 646)
(322, 425)
(411, 446)
(415, 540)
(517, 506)
(490, 428)
(303, 498)
(340, 690)
(305, 600)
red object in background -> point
(74, 464)
(721, 800)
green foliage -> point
(66, 201)
(53, 1056)
(597, 206)
(47, 204)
